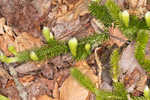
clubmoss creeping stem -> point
(12, 49)
(6, 59)
(55, 48)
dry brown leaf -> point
(29, 67)
(116, 36)
(7, 36)
(131, 73)
(44, 97)
(137, 7)
(25, 41)
(4, 74)
(97, 25)
(4, 77)
(21, 41)
(39, 87)
(26, 15)
(80, 8)
(24, 80)
(72, 90)
(42, 6)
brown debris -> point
(116, 36)
(137, 7)
(25, 16)
(21, 42)
(4, 77)
(29, 67)
(24, 80)
(40, 87)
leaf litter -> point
(20, 25)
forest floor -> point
(21, 24)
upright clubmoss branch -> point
(113, 10)
(141, 42)
(3, 97)
(101, 13)
(119, 91)
(147, 93)
(147, 18)
(114, 59)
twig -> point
(19, 86)
(99, 66)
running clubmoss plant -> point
(87, 48)
(2, 56)
(140, 45)
(93, 40)
(55, 48)
(119, 92)
(12, 49)
(6, 59)
(147, 93)
(114, 59)
(52, 49)
(3, 97)
(111, 13)
(113, 10)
